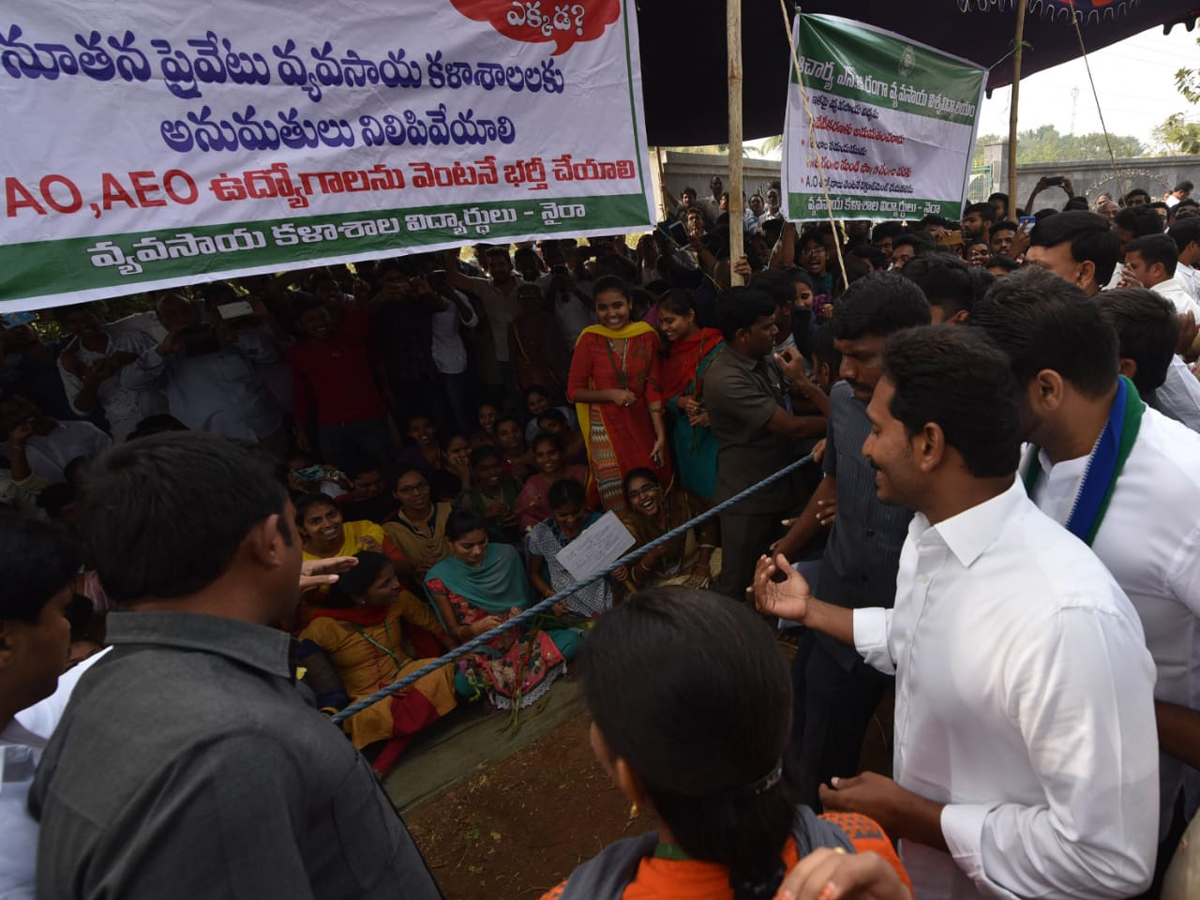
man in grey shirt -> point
(756, 436)
(190, 762)
(836, 692)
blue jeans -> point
(350, 441)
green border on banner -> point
(888, 59)
(51, 271)
(26, 270)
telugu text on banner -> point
(892, 125)
(152, 145)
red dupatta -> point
(681, 368)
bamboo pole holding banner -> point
(733, 28)
(1018, 46)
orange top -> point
(690, 879)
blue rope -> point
(538, 608)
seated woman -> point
(489, 414)
(476, 589)
(457, 449)
(361, 626)
(493, 495)
(518, 458)
(556, 422)
(419, 529)
(732, 824)
(533, 502)
(568, 500)
(427, 455)
(326, 535)
(691, 559)
(538, 400)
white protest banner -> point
(893, 125)
(152, 145)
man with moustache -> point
(1116, 473)
(836, 692)
(1025, 758)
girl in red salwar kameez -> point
(615, 384)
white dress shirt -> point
(49, 454)
(21, 744)
(123, 407)
(1173, 289)
(449, 354)
(1024, 701)
(221, 392)
(1188, 278)
(1150, 542)
(1179, 395)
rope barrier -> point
(538, 608)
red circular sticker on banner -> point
(541, 21)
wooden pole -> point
(1012, 109)
(733, 28)
(658, 180)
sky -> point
(1135, 80)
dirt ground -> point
(519, 827)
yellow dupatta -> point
(582, 413)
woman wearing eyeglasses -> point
(691, 559)
(419, 529)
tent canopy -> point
(684, 59)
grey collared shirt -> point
(190, 764)
(863, 553)
(741, 397)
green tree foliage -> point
(1176, 132)
(1045, 144)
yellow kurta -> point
(364, 668)
(353, 534)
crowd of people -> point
(1002, 414)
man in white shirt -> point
(1181, 191)
(1119, 475)
(1152, 260)
(35, 442)
(1025, 758)
(1186, 234)
(1081, 248)
(89, 366)
(454, 313)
